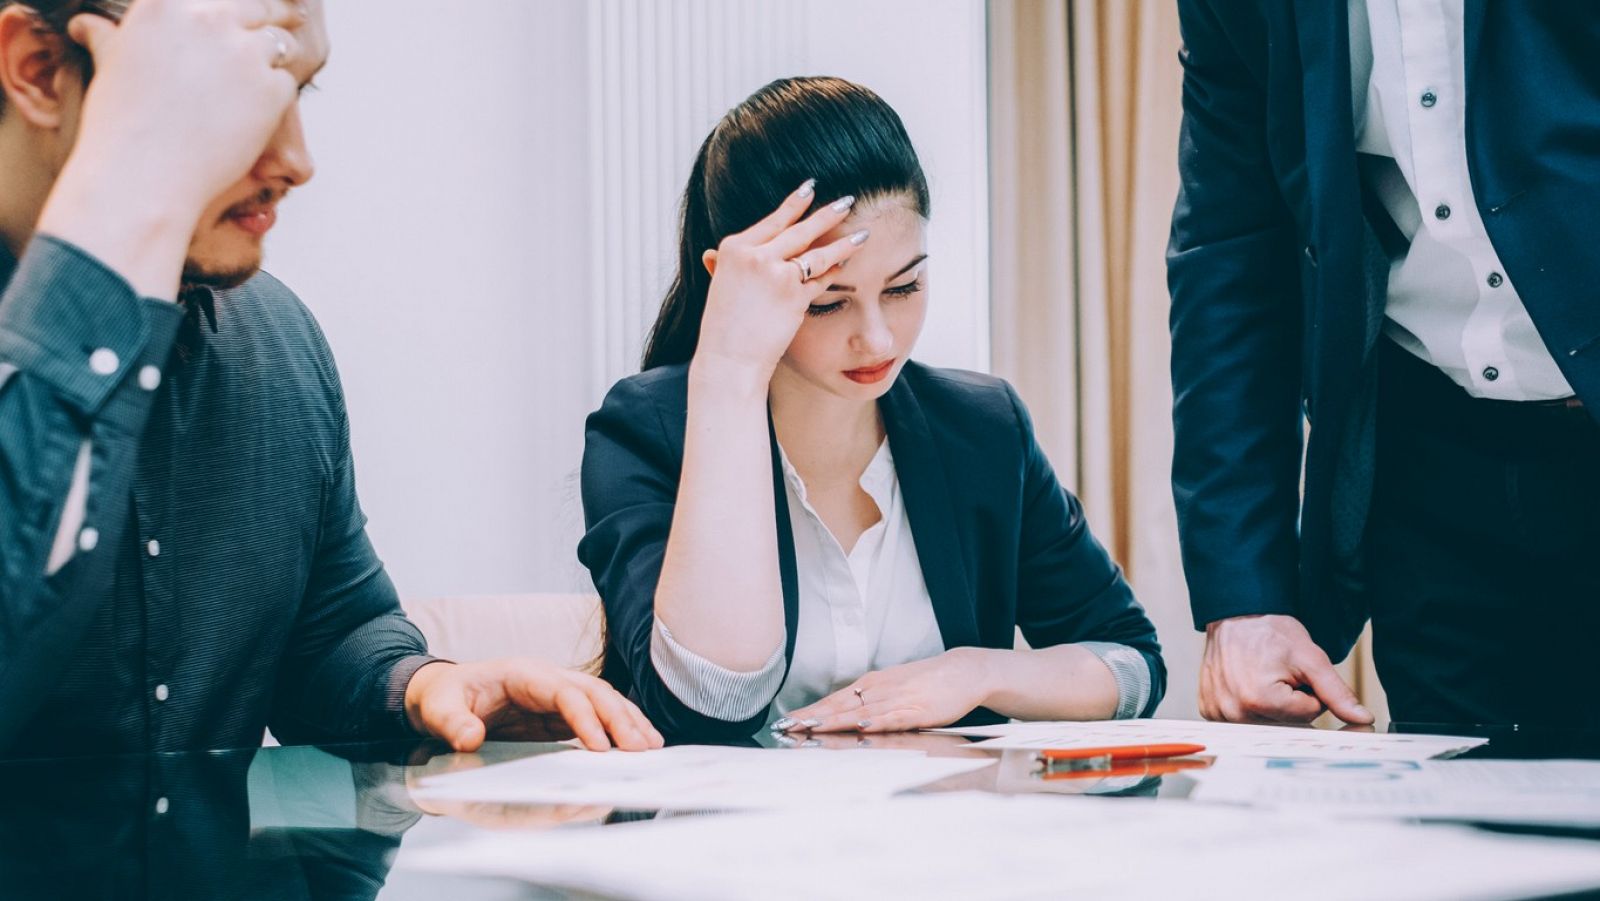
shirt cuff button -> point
(104, 361)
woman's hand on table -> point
(921, 695)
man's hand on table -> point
(1254, 670)
(520, 699)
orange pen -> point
(1117, 752)
(1136, 768)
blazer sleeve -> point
(1233, 274)
(630, 485)
(1069, 589)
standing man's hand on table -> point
(1254, 670)
(523, 700)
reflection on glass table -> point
(330, 823)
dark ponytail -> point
(677, 329)
(841, 134)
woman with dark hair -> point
(791, 524)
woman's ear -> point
(36, 69)
(709, 260)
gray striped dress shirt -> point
(221, 579)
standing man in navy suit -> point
(1387, 229)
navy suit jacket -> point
(1278, 273)
(1001, 543)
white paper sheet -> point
(1221, 739)
(694, 777)
(1546, 792)
(965, 846)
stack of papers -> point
(968, 845)
(1544, 792)
(1221, 739)
(694, 777)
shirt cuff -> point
(73, 322)
(1131, 672)
(394, 697)
(709, 689)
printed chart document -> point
(1221, 739)
(968, 845)
(1544, 792)
(694, 777)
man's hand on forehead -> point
(283, 13)
(111, 9)
(299, 20)
(185, 98)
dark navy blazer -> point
(1001, 543)
(1278, 269)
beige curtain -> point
(1084, 115)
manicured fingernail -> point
(786, 741)
(811, 743)
(783, 725)
(811, 724)
(860, 237)
(864, 724)
(807, 189)
(844, 203)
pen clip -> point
(1045, 764)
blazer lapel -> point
(925, 485)
(1334, 186)
(1472, 15)
(787, 568)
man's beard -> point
(198, 275)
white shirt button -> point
(162, 806)
(161, 692)
(149, 378)
(88, 539)
(153, 548)
(104, 361)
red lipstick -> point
(870, 375)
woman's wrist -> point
(984, 673)
(1061, 682)
(723, 377)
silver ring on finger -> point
(804, 266)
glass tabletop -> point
(332, 822)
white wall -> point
(929, 60)
(449, 244)
(442, 246)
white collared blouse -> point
(859, 611)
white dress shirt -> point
(860, 611)
(1450, 301)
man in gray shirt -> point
(183, 561)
